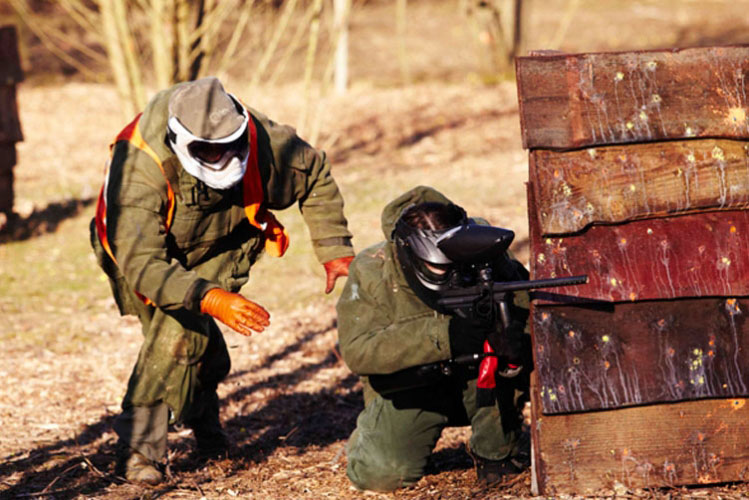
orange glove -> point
(335, 268)
(235, 311)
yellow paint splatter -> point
(548, 241)
(613, 281)
(690, 158)
(619, 76)
(689, 132)
(630, 125)
(725, 261)
(592, 152)
(541, 258)
(656, 98)
(632, 188)
(697, 351)
(605, 338)
(736, 115)
(718, 154)
(643, 116)
(651, 65)
(738, 404)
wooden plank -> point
(692, 255)
(10, 126)
(620, 183)
(577, 100)
(10, 63)
(694, 442)
(602, 356)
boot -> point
(139, 469)
(490, 472)
(211, 441)
(210, 438)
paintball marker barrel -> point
(462, 296)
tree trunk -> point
(341, 16)
(116, 57)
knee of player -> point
(383, 473)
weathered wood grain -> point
(694, 442)
(605, 356)
(695, 255)
(620, 183)
(577, 100)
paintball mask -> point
(426, 268)
(207, 130)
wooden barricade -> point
(639, 178)
(10, 127)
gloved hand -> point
(467, 336)
(235, 311)
(514, 348)
(334, 269)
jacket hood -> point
(395, 208)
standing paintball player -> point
(390, 326)
(182, 216)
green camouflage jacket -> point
(383, 326)
(210, 243)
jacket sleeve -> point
(136, 208)
(373, 339)
(300, 173)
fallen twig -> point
(44, 491)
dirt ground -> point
(289, 402)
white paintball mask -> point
(219, 163)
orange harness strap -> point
(276, 236)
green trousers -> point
(394, 437)
(181, 362)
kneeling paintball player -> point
(181, 218)
(428, 363)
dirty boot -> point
(139, 469)
(490, 472)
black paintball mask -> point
(426, 268)
(436, 261)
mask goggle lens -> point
(213, 152)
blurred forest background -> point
(397, 92)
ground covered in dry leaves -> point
(289, 403)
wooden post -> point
(639, 178)
(10, 126)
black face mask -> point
(427, 292)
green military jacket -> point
(383, 326)
(210, 243)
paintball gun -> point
(478, 289)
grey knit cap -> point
(205, 109)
